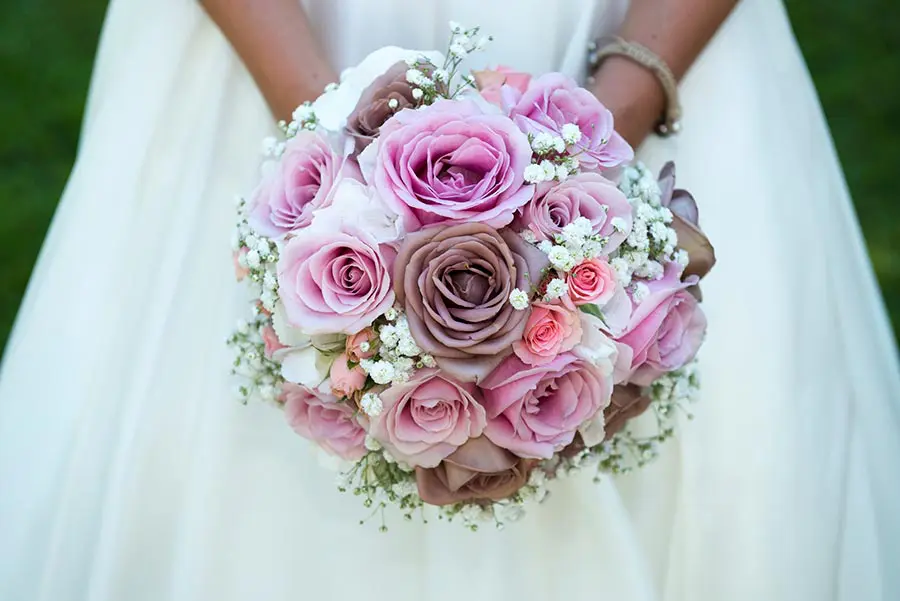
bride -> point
(128, 474)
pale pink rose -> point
(552, 101)
(587, 195)
(334, 281)
(491, 81)
(428, 418)
(302, 182)
(240, 272)
(344, 380)
(271, 341)
(592, 281)
(324, 420)
(666, 328)
(551, 329)
(353, 347)
(450, 162)
(535, 411)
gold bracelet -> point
(670, 121)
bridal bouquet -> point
(463, 289)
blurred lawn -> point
(47, 47)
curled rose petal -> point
(701, 254)
(686, 222)
(627, 402)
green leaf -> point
(592, 310)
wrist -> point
(633, 94)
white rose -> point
(300, 362)
(356, 205)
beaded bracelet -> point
(670, 121)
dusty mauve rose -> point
(551, 329)
(666, 328)
(587, 195)
(454, 284)
(592, 281)
(536, 411)
(334, 281)
(344, 380)
(478, 470)
(627, 402)
(450, 162)
(552, 101)
(490, 82)
(353, 346)
(427, 418)
(374, 106)
(324, 420)
(303, 181)
(686, 222)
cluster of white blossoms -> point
(652, 240)
(550, 160)
(303, 117)
(430, 82)
(639, 442)
(257, 255)
(398, 354)
(575, 244)
(261, 377)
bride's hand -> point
(676, 31)
(634, 96)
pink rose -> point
(428, 418)
(354, 345)
(592, 281)
(240, 272)
(302, 182)
(271, 341)
(587, 195)
(666, 328)
(552, 101)
(450, 162)
(491, 81)
(551, 329)
(344, 380)
(536, 411)
(324, 420)
(334, 281)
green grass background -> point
(47, 48)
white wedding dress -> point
(129, 473)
